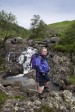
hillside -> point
(60, 27)
(9, 26)
(7, 29)
(65, 30)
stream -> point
(24, 59)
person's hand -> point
(42, 74)
(46, 73)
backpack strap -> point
(42, 59)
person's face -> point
(44, 52)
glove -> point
(42, 74)
(46, 73)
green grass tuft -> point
(20, 97)
(72, 80)
(3, 98)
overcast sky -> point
(50, 11)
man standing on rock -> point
(42, 70)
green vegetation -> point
(72, 79)
(67, 42)
(65, 48)
(3, 68)
(21, 97)
(9, 26)
(3, 98)
(38, 28)
(60, 27)
(39, 31)
(69, 35)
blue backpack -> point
(33, 60)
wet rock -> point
(2, 88)
(30, 82)
(14, 70)
(31, 74)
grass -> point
(61, 24)
(65, 48)
(20, 97)
(60, 27)
(72, 79)
(3, 98)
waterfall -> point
(25, 59)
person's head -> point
(44, 51)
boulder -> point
(54, 39)
(2, 88)
(14, 40)
(14, 70)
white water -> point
(26, 63)
(25, 59)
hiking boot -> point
(41, 96)
(46, 89)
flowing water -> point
(24, 59)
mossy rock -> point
(45, 108)
(3, 68)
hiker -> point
(42, 70)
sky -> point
(50, 11)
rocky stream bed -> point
(18, 88)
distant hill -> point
(66, 29)
(60, 27)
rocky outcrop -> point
(2, 89)
(55, 101)
(60, 68)
(59, 62)
(22, 96)
(14, 70)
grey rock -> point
(2, 88)
(54, 39)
